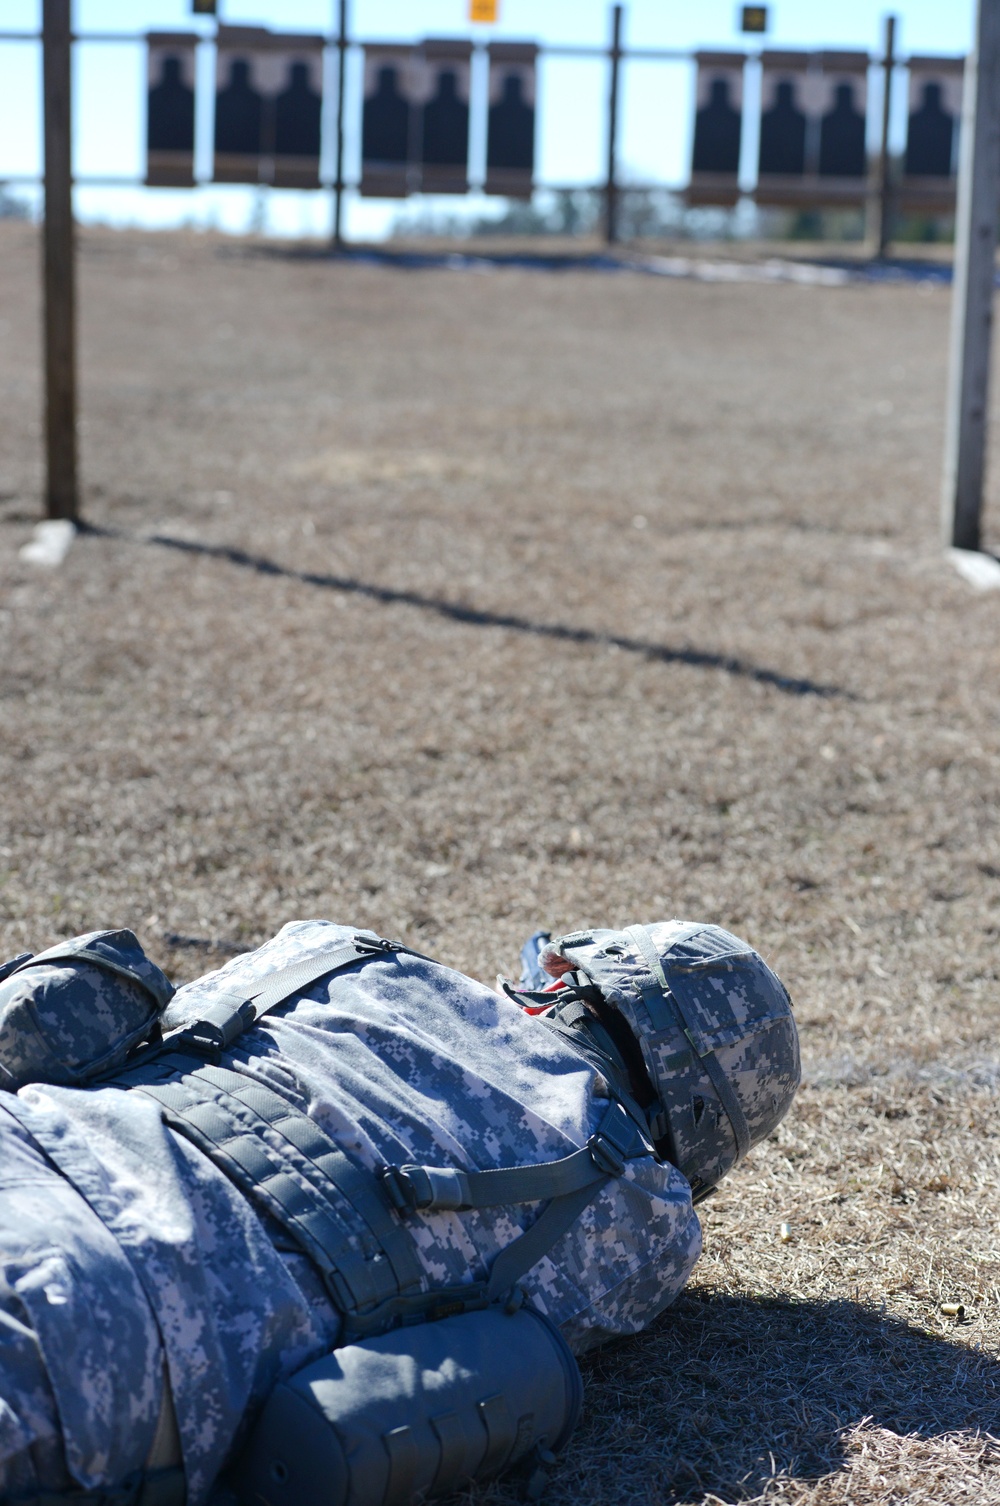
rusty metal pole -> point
(883, 200)
(59, 269)
(611, 185)
(338, 187)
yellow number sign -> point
(754, 18)
(483, 10)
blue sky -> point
(656, 107)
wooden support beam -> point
(61, 485)
(338, 187)
(883, 182)
(611, 179)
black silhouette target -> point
(935, 112)
(718, 128)
(389, 144)
(239, 115)
(442, 86)
(843, 106)
(930, 134)
(170, 73)
(510, 131)
(783, 120)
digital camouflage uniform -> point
(127, 1256)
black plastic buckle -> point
(606, 1155)
(206, 1047)
(701, 1190)
(373, 945)
(395, 1188)
(408, 1187)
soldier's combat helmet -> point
(715, 1027)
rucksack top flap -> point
(117, 951)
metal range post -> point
(338, 187)
(883, 200)
(61, 486)
(972, 292)
(611, 185)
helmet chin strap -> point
(720, 1082)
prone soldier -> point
(330, 1223)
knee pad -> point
(416, 1412)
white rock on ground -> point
(50, 542)
(980, 570)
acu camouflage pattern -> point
(76, 1009)
(731, 1004)
(398, 1060)
(228, 1310)
(80, 1367)
(403, 1060)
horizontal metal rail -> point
(98, 180)
(88, 36)
(554, 49)
(557, 49)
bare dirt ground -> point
(452, 604)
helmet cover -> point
(715, 1027)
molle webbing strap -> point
(500, 1427)
(309, 1187)
(222, 1112)
(401, 1447)
(720, 1082)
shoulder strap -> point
(567, 1186)
(517, 1258)
(616, 1132)
(231, 1013)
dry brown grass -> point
(370, 633)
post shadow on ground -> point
(726, 1392)
(480, 617)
